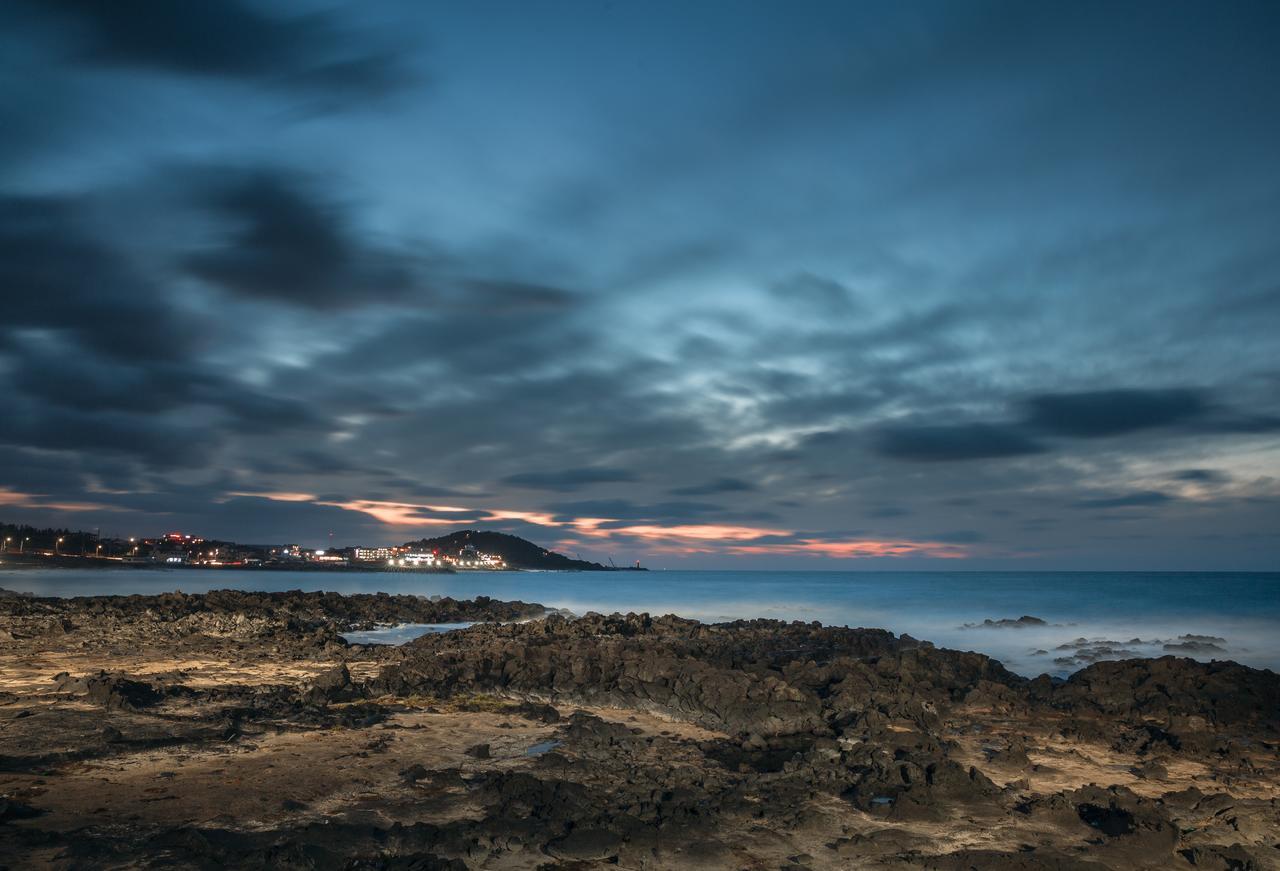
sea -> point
(1079, 617)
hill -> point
(518, 553)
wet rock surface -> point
(293, 618)
(239, 730)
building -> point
(172, 556)
(470, 558)
(417, 560)
(372, 554)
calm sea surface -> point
(1141, 612)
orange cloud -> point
(276, 496)
(392, 513)
(697, 532)
(589, 525)
(535, 517)
(28, 500)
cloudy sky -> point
(846, 285)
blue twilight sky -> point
(715, 284)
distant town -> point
(465, 550)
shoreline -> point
(228, 726)
(14, 562)
(963, 612)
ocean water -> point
(400, 633)
(1109, 615)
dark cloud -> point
(943, 443)
(350, 82)
(60, 278)
(515, 297)
(100, 357)
(60, 473)
(570, 479)
(264, 521)
(459, 340)
(1113, 412)
(887, 511)
(410, 489)
(623, 512)
(718, 485)
(256, 413)
(624, 509)
(70, 378)
(959, 536)
(230, 39)
(807, 292)
(1236, 423)
(285, 242)
(166, 443)
(1201, 476)
(1136, 499)
(65, 375)
(1083, 415)
(477, 328)
(103, 357)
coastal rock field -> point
(240, 730)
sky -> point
(835, 285)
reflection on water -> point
(1085, 614)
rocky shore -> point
(240, 730)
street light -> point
(7, 539)
(57, 545)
